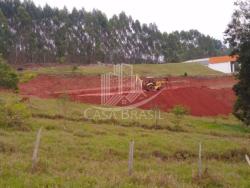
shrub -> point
(26, 77)
(61, 60)
(179, 111)
(74, 69)
(8, 78)
(13, 114)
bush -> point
(26, 77)
(8, 78)
(61, 60)
(74, 69)
(13, 114)
(179, 111)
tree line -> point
(238, 37)
(34, 34)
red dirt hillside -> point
(204, 96)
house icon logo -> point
(120, 87)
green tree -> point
(4, 35)
(8, 78)
(22, 38)
(33, 34)
(238, 36)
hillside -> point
(82, 146)
(95, 101)
(157, 70)
(76, 152)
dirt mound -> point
(200, 101)
(204, 96)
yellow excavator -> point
(151, 84)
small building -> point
(225, 64)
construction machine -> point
(151, 84)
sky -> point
(208, 16)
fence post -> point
(131, 157)
(248, 160)
(36, 148)
(200, 162)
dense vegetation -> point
(239, 38)
(39, 35)
(8, 78)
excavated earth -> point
(204, 96)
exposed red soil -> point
(201, 101)
(45, 86)
(204, 96)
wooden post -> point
(157, 117)
(36, 148)
(131, 157)
(200, 163)
(248, 160)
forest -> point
(34, 34)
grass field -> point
(79, 152)
(174, 69)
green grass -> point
(80, 152)
(174, 69)
(26, 76)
